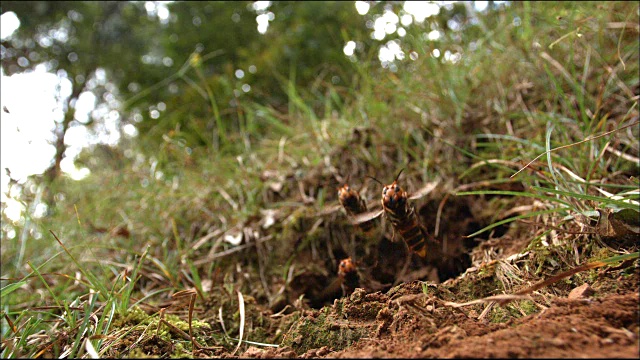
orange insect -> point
(354, 205)
(402, 215)
(348, 275)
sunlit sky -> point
(33, 106)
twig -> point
(522, 294)
(192, 300)
(500, 299)
(486, 310)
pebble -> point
(582, 291)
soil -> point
(393, 304)
(400, 305)
(410, 324)
(309, 283)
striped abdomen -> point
(405, 222)
(404, 219)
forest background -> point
(202, 118)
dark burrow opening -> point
(382, 260)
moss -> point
(499, 315)
(180, 352)
(520, 309)
(529, 307)
(600, 253)
(338, 307)
(286, 322)
(138, 353)
(184, 325)
(486, 271)
(364, 311)
(159, 340)
(134, 316)
(258, 335)
(479, 286)
(312, 332)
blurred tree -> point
(93, 45)
(188, 79)
(236, 65)
(306, 43)
(206, 42)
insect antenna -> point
(342, 180)
(397, 177)
(378, 181)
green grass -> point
(519, 92)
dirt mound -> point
(406, 322)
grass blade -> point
(505, 221)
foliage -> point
(159, 212)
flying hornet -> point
(353, 204)
(403, 218)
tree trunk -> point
(54, 171)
